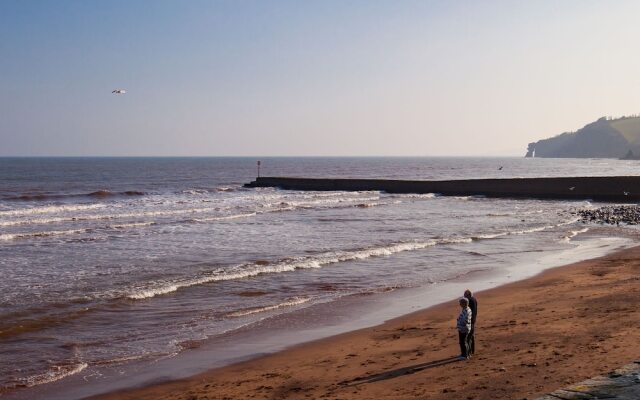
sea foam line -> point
(112, 216)
(223, 218)
(416, 195)
(50, 209)
(278, 206)
(248, 270)
(54, 374)
(290, 303)
(29, 235)
(14, 236)
(573, 234)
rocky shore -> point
(613, 215)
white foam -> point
(56, 373)
(50, 209)
(290, 303)
(226, 217)
(195, 191)
(307, 262)
(131, 225)
(39, 234)
(99, 217)
(34, 221)
(518, 232)
(286, 265)
(317, 203)
(416, 195)
(273, 203)
(368, 205)
(276, 206)
(573, 234)
(27, 235)
(455, 240)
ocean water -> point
(109, 261)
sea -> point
(118, 272)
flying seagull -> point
(572, 187)
(119, 91)
(500, 168)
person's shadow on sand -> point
(400, 371)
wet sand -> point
(534, 336)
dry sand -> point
(533, 336)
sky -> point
(310, 78)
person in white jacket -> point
(464, 327)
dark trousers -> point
(471, 339)
(463, 338)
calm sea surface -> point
(106, 261)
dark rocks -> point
(613, 215)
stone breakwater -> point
(609, 188)
(613, 215)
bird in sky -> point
(572, 187)
(119, 91)
(500, 168)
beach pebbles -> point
(613, 215)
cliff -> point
(604, 138)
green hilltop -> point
(604, 138)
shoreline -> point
(319, 321)
(408, 342)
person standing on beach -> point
(473, 305)
(464, 327)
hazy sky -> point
(318, 77)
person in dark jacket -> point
(473, 305)
(463, 324)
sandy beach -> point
(534, 336)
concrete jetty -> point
(609, 188)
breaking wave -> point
(260, 208)
(56, 373)
(290, 264)
(416, 195)
(573, 234)
(50, 209)
(97, 217)
(290, 303)
(28, 235)
(43, 234)
(223, 218)
(248, 270)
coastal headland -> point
(534, 336)
(609, 188)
